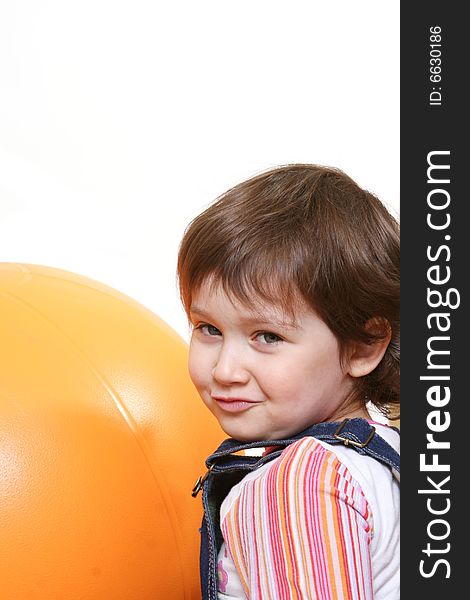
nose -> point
(230, 366)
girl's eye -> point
(208, 329)
(268, 337)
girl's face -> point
(263, 376)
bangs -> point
(254, 280)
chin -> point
(240, 434)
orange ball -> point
(102, 437)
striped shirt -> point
(304, 527)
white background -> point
(121, 120)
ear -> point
(363, 356)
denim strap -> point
(358, 434)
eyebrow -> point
(255, 319)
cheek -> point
(313, 368)
(197, 366)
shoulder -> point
(368, 471)
(306, 471)
(380, 490)
(319, 471)
(306, 457)
(375, 479)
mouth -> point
(234, 405)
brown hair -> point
(311, 230)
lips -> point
(234, 405)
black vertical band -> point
(435, 266)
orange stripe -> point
(300, 510)
(236, 552)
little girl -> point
(291, 284)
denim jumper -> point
(225, 469)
